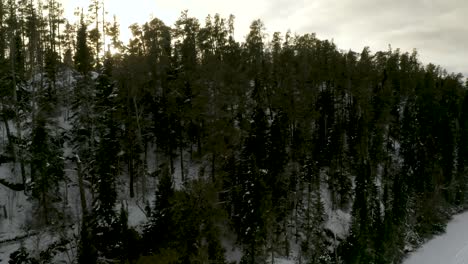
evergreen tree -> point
(283, 128)
(83, 59)
(314, 246)
(47, 170)
(159, 231)
(87, 252)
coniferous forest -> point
(276, 146)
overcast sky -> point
(438, 29)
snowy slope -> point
(449, 248)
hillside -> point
(450, 247)
(188, 146)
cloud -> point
(438, 29)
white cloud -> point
(437, 28)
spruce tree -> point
(47, 171)
(83, 59)
(159, 231)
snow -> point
(35, 244)
(283, 261)
(448, 248)
(338, 222)
(192, 170)
(17, 208)
(94, 75)
(134, 207)
(16, 228)
(15, 204)
(5, 171)
(233, 254)
(64, 121)
(6, 250)
(18, 224)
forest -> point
(256, 145)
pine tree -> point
(83, 59)
(159, 231)
(462, 155)
(314, 248)
(95, 34)
(274, 124)
(87, 252)
(47, 170)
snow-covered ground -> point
(448, 248)
(283, 261)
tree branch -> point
(18, 187)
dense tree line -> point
(275, 126)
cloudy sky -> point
(438, 29)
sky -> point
(438, 29)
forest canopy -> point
(261, 142)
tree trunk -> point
(252, 248)
(213, 167)
(309, 198)
(182, 163)
(199, 145)
(131, 172)
(5, 213)
(145, 169)
(44, 206)
(17, 122)
(84, 209)
(286, 237)
(171, 161)
(191, 151)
